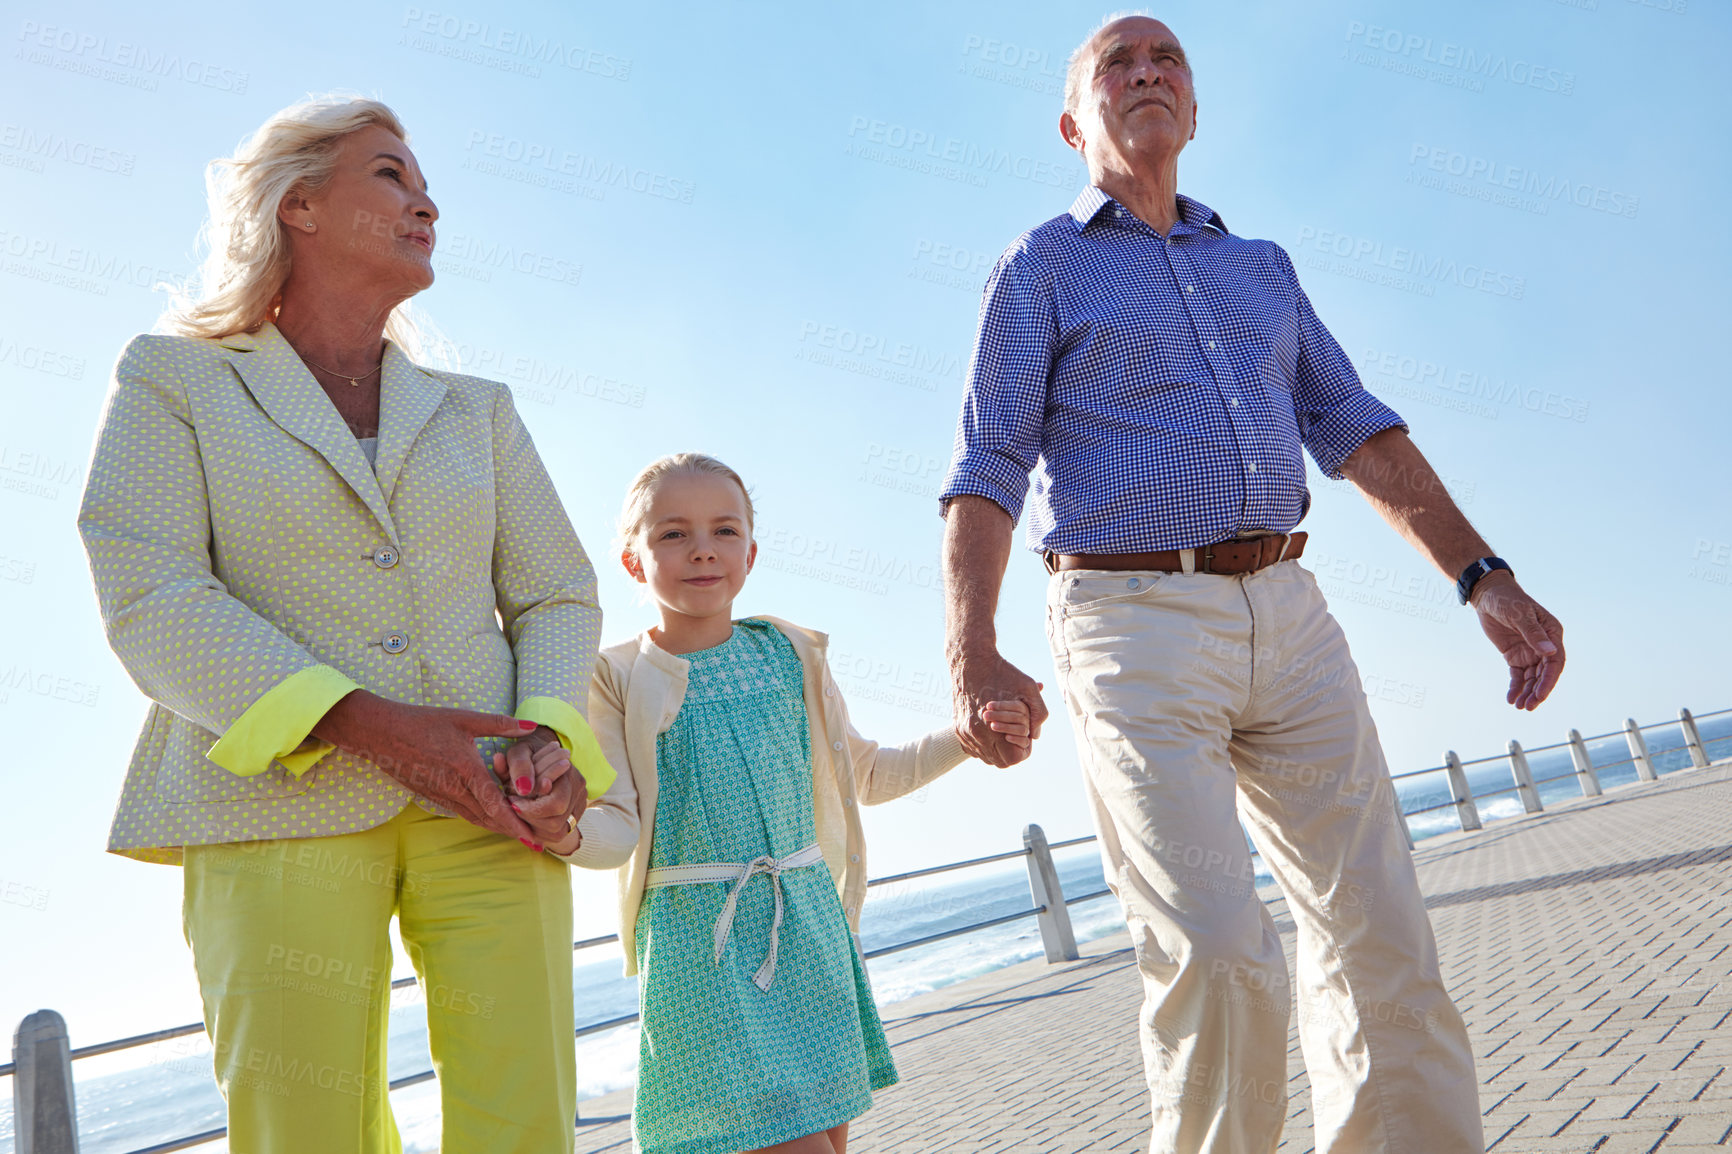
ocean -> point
(151, 1094)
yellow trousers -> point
(294, 965)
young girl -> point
(737, 763)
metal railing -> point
(44, 1110)
(1584, 768)
(45, 1117)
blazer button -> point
(384, 556)
(396, 643)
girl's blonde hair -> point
(247, 254)
(634, 516)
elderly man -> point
(1164, 373)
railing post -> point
(1524, 778)
(1693, 739)
(1044, 888)
(1585, 775)
(1465, 808)
(1639, 750)
(44, 1117)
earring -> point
(309, 224)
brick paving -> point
(1589, 948)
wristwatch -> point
(1477, 572)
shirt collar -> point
(1194, 215)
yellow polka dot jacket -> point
(252, 568)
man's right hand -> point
(430, 752)
(979, 680)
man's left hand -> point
(1530, 639)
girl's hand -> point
(553, 816)
(531, 770)
(1009, 718)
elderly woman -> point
(334, 572)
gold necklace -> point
(354, 381)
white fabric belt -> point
(691, 875)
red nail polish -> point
(524, 784)
(527, 842)
(527, 726)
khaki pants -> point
(1200, 701)
(294, 965)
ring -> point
(570, 822)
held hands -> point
(1009, 718)
(543, 790)
(430, 752)
(1530, 639)
(998, 708)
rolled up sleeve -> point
(1336, 413)
(278, 726)
(998, 434)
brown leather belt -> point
(1227, 557)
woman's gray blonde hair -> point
(634, 515)
(247, 260)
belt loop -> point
(1050, 559)
(1286, 543)
(1187, 561)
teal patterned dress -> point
(723, 1065)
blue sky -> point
(761, 232)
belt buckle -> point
(1208, 565)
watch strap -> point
(1477, 572)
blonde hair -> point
(247, 259)
(634, 515)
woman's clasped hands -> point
(542, 790)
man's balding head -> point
(1130, 105)
(1081, 68)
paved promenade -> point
(1589, 947)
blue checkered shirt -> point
(1160, 388)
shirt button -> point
(1252, 466)
(836, 745)
(1211, 344)
(1190, 288)
(1233, 401)
(847, 801)
(396, 643)
(854, 857)
(829, 691)
(384, 556)
(1132, 583)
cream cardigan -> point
(637, 691)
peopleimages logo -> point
(1429, 58)
(1410, 263)
(883, 140)
(1475, 170)
(515, 42)
(136, 65)
(1474, 385)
